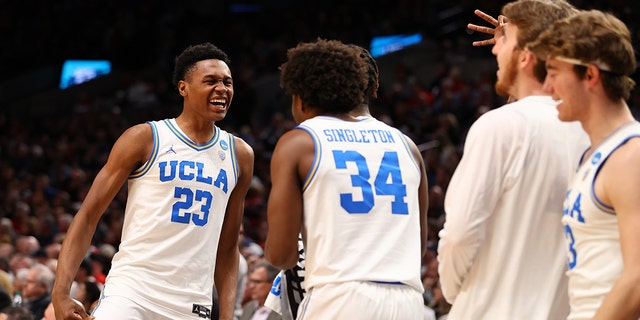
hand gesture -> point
(488, 30)
(67, 308)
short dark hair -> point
(193, 54)
(328, 75)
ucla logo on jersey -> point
(192, 171)
(224, 145)
(596, 158)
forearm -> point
(454, 261)
(622, 302)
(226, 279)
(73, 250)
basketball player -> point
(187, 180)
(495, 25)
(289, 288)
(356, 188)
(589, 60)
(500, 252)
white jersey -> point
(174, 214)
(501, 252)
(591, 231)
(361, 213)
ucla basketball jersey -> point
(174, 214)
(361, 213)
(591, 231)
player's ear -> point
(593, 73)
(182, 88)
(526, 58)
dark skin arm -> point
(423, 197)
(226, 271)
(128, 153)
(290, 163)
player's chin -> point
(219, 112)
(219, 116)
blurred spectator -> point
(258, 285)
(6, 284)
(84, 274)
(27, 245)
(88, 293)
(5, 299)
(15, 313)
(37, 289)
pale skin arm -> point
(488, 30)
(130, 151)
(290, 163)
(226, 270)
(620, 184)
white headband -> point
(601, 65)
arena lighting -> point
(382, 45)
(75, 72)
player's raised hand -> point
(488, 30)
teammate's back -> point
(361, 205)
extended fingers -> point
(482, 43)
(482, 29)
(486, 17)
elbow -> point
(279, 258)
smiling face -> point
(208, 89)
(565, 86)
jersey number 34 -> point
(388, 182)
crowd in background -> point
(48, 163)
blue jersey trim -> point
(189, 142)
(152, 158)
(306, 305)
(234, 157)
(316, 159)
(594, 198)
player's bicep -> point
(284, 209)
(622, 183)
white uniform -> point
(175, 209)
(361, 218)
(288, 288)
(591, 231)
(501, 252)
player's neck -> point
(527, 86)
(604, 118)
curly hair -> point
(372, 71)
(328, 75)
(193, 54)
(593, 37)
(532, 17)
